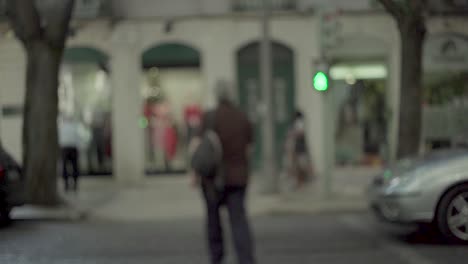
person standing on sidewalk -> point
(299, 163)
(235, 136)
(69, 140)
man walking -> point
(69, 139)
(235, 135)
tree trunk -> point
(40, 146)
(412, 31)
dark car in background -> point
(11, 185)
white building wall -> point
(156, 8)
(394, 61)
(329, 4)
(94, 34)
(170, 8)
(450, 25)
(217, 39)
(180, 8)
(211, 7)
(127, 136)
(220, 40)
(12, 75)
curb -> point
(317, 208)
(38, 213)
(315, 211)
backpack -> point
(207, 156)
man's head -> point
(224, 92)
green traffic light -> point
(320, 81)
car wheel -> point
(452, 215)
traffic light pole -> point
(328, 146)
(328, 117)
(270, 170)
(322, 85)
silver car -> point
(431, 189)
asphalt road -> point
(280, 239)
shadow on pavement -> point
(424, 234)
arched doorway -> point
(173, 93)
(248, 75)
(85, 95)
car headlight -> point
(407, 184)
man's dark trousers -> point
(70, 157)
(233, 197)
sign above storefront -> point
(446, 52)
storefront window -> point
(173, 98)
(173, 94)
(85, 96)
(361, 114)
(445, 82)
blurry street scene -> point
(233, 131)
(147, 224)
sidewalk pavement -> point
(172, 198)
(347, 193)
(77, 206)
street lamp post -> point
(270, 168)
